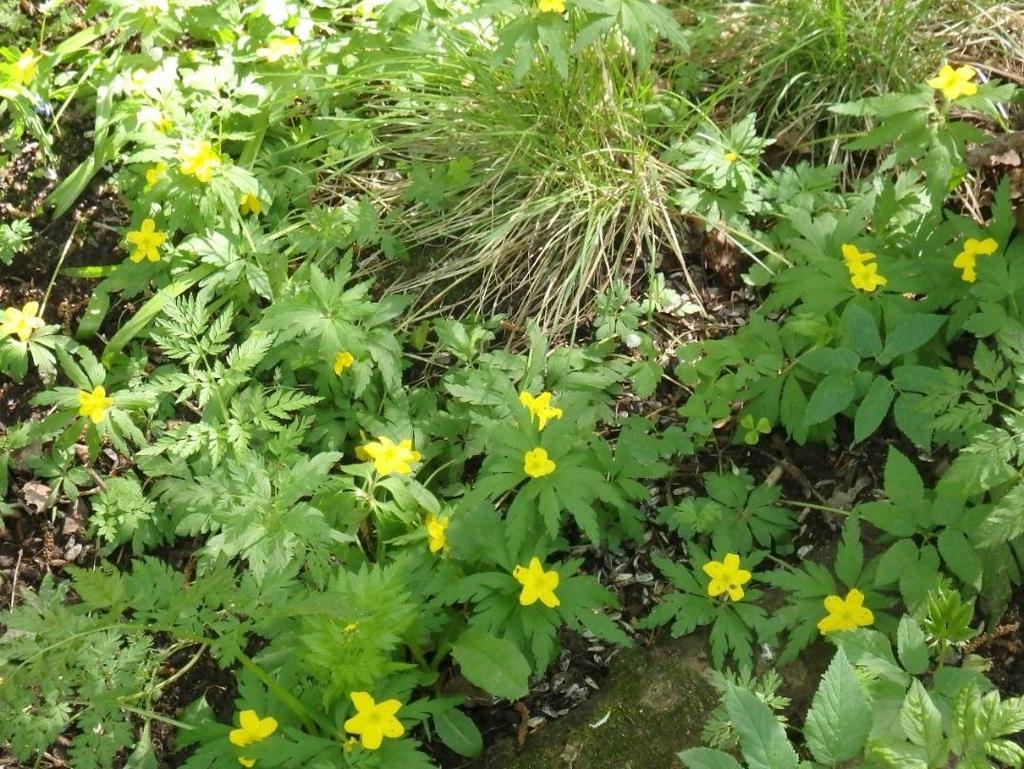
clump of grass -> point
(790, 60)
(562, 186)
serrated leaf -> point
(840, 717)
(706, 758)
(762, 738)
(1005, 522)
(833, 394)
(912, 646)
(922, 723)
(872, 410)
(909, 333)
(494, 664)
(459, 732)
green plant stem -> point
(284, 696)
(149, 715)
(60, 261)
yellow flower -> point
(280, 47)
(845, 613)
(955, 83)
(147, 241)
(551, 6)
(21, 322)
(731, 157)
(537, 464)
(250, 204)
(342, 361)
(24, 69)
(389, 458)
(351, 626)
(865, 277)
(537, 584)
(540, 408)
(374, 721)
(437, 540)
(155, 174)
(251, 729)
(198, 159)
(727, 577)
(967, 259)
(854, 257)
(94, 404)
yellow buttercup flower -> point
(955, 83)
(147, 241)
(23, 322)
(279, 48)
(967, 260)
(351, 627)
(727, 577)
(551, 6)
(854, 257)
(374, 721)
(390, 458)
(437, 539)
(537, 584)
(250, 204)
(537, 463)
(251, 729)
(94, 404)
(155, 174)
(342, 361)
(198, 159)
(731, 157)
(24, 69)
(845, 613)
(540, 408)
(866, 277)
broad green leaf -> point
(833, 394)
(922, 723)
(960, 556)
(1005, 522)
(860, 331)
(909, 333)
(872, 409)
(839, 720)
(762, 738)
(494, 664)
(903, 483)
(459, 732)
(706, 758)
(912, 646)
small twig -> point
(60, 263)
(14, 582)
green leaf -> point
(706, 758)
(913, 419)
(762, 738)
(494, 664)
(850, 555)
(872, 409)
(840, 717)
(1005, 522)
(922, 723)
(909, 333)
(833, 394)
(151, 309)
(912, 646)
(860, 331)
(903, 484)
(960, 557)
(459, 732)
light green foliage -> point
(308, 391)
